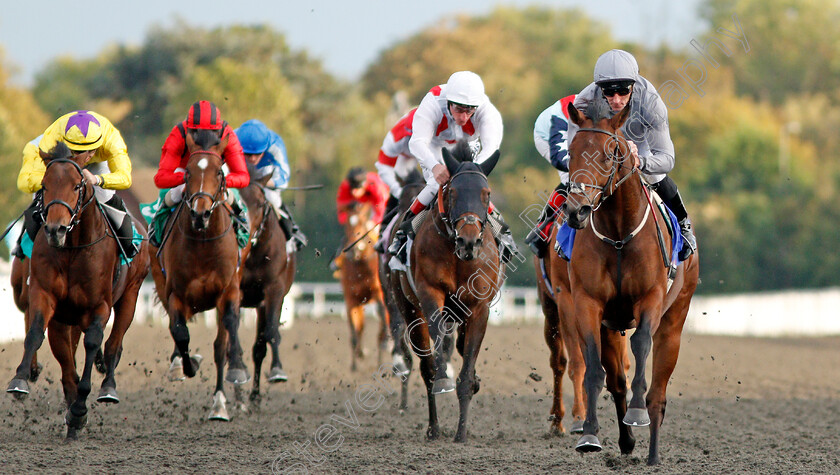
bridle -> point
(452, 227)
(609, 187)
(81, 204)
(214, 198)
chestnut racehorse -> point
(267, 276)
(197, 267)
(454, 274)
(75, 280)
(360, 278)
(618, 279)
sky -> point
(347, 35)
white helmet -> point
(616, 65)
(465, 87)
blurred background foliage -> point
(756, 153)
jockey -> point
(203, 115)
(456, 110)
(550, 131)
(265, 150)
(395, 161)
(107, 167)
(617, 79)
(359, 187)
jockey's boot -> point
(537, 239)
(505, 238)
(32, 221)
(689, 241)
(291, 229)
(398, 247)
(120, 220)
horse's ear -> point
(189, 139)
(488, 165)
(224, 143)
(574, 115)
(618, 120)
(44, 155)
(449, 161)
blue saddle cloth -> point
(566, 239)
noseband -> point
(453, 228)
(80, 187)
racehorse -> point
(267, 276)
(360, 278)
(402, 360)
(197, 267)
(454, 274)
(75, 279)
(618, 280)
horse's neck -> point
(623, 211)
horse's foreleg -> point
(181, 336)
(218, 412)
(476, 326)
(258, 352)
(442, 336)
(356, 320)
(383, 327)
(588, 314)
(61, 344)
(77, 413)
(641, 343)
(274, 310)
(613, 361)
(666, 348)
(19, 386)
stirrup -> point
(398, 243)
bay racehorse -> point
(360, 278)
(267, 276)
(454, 275)
(620, 279)
(197, 267)
(75, 279)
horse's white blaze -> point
(353, 220)
(202, 164)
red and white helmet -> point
(466, 88)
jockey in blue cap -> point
(265, 150)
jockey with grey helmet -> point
(617, 80)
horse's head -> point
(596, 160)
(412, 184)
(466, 198)
(358, 223)
(204, 178)
(63, 193)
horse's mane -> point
(414, 177)
(598, 109)
(462, 151)
(206, 138)
(61, 150)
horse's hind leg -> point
(76, 417)
(442, 334)
(229, 315)
(273, 312)
(557, 360)
(473, 336)
(383, 327)
(612, 358)
(62, 345)
(123, 316)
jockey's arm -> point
(490, 129)
(281, 173)
(238, 176)
(32, 170)
(385, 168)
(426, 120)
(115, 153)
(660, 159)
(170, 160)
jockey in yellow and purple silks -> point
(107, 167)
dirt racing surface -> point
(736, 405)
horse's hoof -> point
(108, 395)
(99, 362)
(176, 369)
(432, 433)
(400, 369)
(219, 412)
(35, 372)
(636, 417)
(588, 443)
(196, 361)
(237, 376)
(577, 427)
(445, 385)
(276, 375)
(19, 389)
(74, 422)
